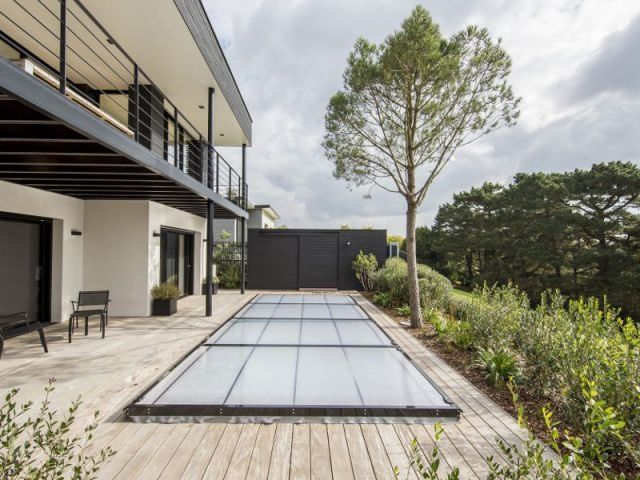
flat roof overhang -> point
(50, 143)
(172, 41)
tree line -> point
(578, 232)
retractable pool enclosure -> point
(296, 358)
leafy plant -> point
(500, 366)
(392, 278)
(214, 280)
(430, 315)
(427, 467)
(364, 265)
(404, 310)
(440, 325)
(579, 456)
(461, 335)
(43, 447)
(382, 299)
(165, 291)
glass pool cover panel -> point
(304, 356)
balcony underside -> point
(72, 152)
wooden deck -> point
(110, 373)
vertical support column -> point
(209, 259)
(243, 222)
(208, 179)
(63, 46)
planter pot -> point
(163, 307)
(214, 290)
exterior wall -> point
(67, 250)
(163, 216)
(255, 219)
(259, 218)
(115, 253)
(122, 254)
(228, 225)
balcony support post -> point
(209, 260)
(63, 46)
(208, 178)
(243, 221)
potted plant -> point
(165, 299)
(214, 285)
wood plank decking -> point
(110, 373)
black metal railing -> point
(79, 58)
(227, 256)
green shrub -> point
(165, 291)
(365, 265)
(230, 276)
(429, 466)
(430, 315)
(461, 335)
(441, 325)
(577, 457)
(43, 447)
(500, 366)
(382, 299)
(561, 346)
(494, 314)
(435, 289)
(392, 278)
(560, 343)
(404, 310)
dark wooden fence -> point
(294, 259)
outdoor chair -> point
(90, 304)
(16, 324)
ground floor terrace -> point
(111, 373)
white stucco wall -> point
(115, 253)
(67, 250)
(163, 216)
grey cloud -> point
(614, 68)
(288, 57)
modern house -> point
(260, 216)
(110, 115)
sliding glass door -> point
(176, 259)
(25, 266)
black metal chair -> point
(16, 324)
(90, 304)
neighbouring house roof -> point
(267, 210)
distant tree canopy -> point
(578, 232)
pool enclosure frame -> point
(281, 413)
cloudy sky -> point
(576, 63)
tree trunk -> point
(414, 291)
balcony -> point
(62, 45)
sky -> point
(576, 65)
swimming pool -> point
(296, 357)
